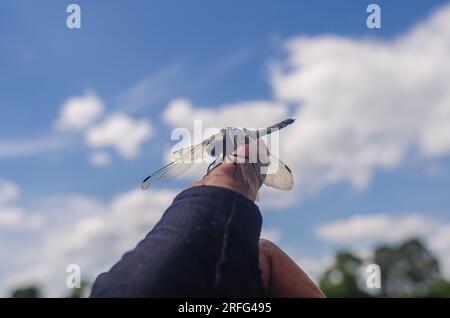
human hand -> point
(229, 175)
(282, 277)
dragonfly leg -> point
(213, 165)
(236, 164)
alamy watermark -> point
(73, 280)
(73, 20)
(373, 276)
(374, 19)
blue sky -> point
(137, 58)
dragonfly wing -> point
(210, 146)
(172, 170)
(252, 176)
(214, 146)
(183, 160)
(278, 175)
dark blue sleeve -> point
(205, 245)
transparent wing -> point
(252, 176)
(278, 175)
(183, 160)
(211, 145)
(255, 154)
(172, 170)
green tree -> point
(26, 292)
(439, 288)
(79, 292)
(341, 279)
(407, 270)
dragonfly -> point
(240, 146)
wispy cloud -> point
(32, 146)
(172, 80)
(220, 68)
(150, 89)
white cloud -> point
(362, 231)
(365, 104)
(379, 227)
(79, 112)
(256, 114)
(121, 132)
(15, 219)
(312, 266)
(273, 235)
(361, 104)
(100, 159)
(441, 238)
(311, 263)
(270, 199)
(440, 243)
(9, 192)
(12, 217)
(117, 130)
(81, 230)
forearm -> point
(206, 244)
